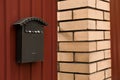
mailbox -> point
(30, 39)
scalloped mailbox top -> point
(24, 21)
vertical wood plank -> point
(7, 39)
(2, 40)
(47, 63)
(12, 69)
(15, 16)
(54, 39)
(113, 41)
(36, 67)
(37, 8)
(115, 38)
(25, 11)
(11, 11)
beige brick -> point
(108, 73)
(77, 67)
(57, 29)
(95, 56)
(65, 15)
(95, 14)
(89, 57)
(69, 4)
(106, 16)
(104, 64)
(91, 3)
(103, 5)
(109, 79)
(103, 45)
(97, 76)
(65, 36)
(87, 13)
(77, 46)
(107, 34)
(81, 77)
(81, 36)
(80, 13)
(65, 56)
(107, 53)
(96, 35)
(92, 67)
(77, 25)
(107, 0)
(65, 76)
(103, 25)
(88, 35)
(82, 57)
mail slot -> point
(30, 39)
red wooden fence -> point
(115, 38)
(10, 12)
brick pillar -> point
(84, 40)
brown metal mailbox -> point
(30, 39)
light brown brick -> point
(91, 3)
(81, 77)
(103, 25)
(65, 76)
(95, 14)
(107, 34)
(97, 76)
(108, 73)
(109, 79)
(107, 0)
(96, 35)
(87, 13)
(69, 4)
(80, 13)
(77, 67)
(106, 16)
(104, 64)
(57, 29)
(88, 35)
(107, 53)
(77, 25)
(65, 36)
(77, 46)
(103, 45)
(81, 36)
(96, 56)
(92, 67)
(62, 56)
(82, 57)
(65, 15)
(89, 57)
(103, 5)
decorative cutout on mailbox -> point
(30, 39)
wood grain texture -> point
(25, 11)
(36, 68)
(2, 40)
(13, 10)
(115, 38)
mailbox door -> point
(10, 12)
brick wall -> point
(84, 40)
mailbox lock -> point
(35, 32)
(38, 31)
(29, 31)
